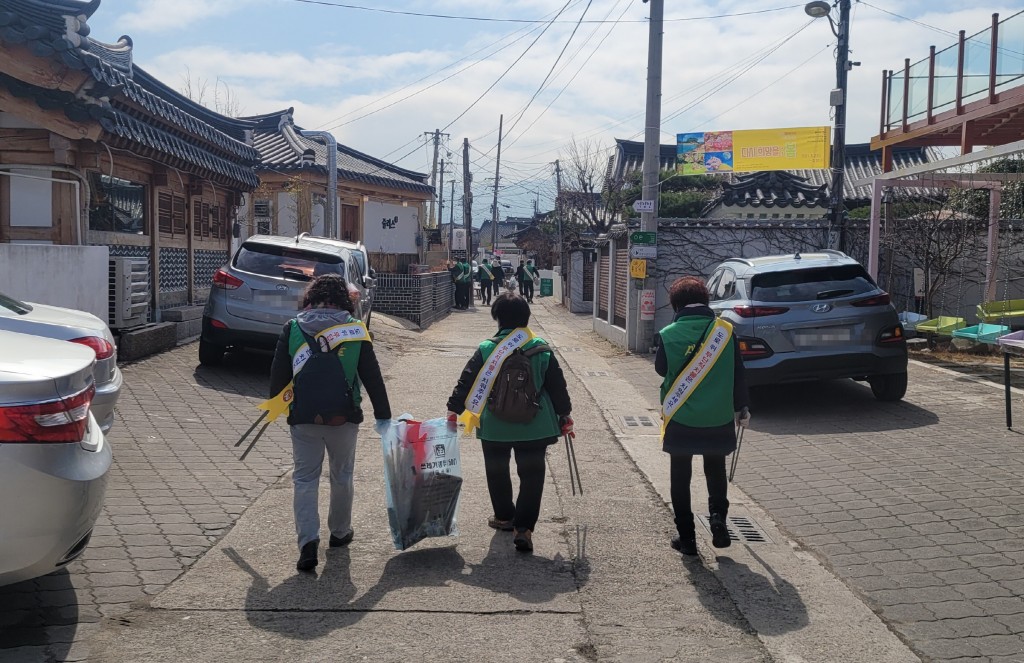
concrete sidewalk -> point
(629, 598)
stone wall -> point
(419, 298)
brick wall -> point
(420, 298)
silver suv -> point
(813, 316)
(260, 290)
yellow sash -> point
(335, 336)
(477, 398)
(695, 372)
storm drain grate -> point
(597, 374)
(741, 529)
(638, 421)
(571, 349)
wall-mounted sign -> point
(641, 237)
(638, 269)
(752, 150)
(390, 228)
(643, 251)
(643, 206)
(647, 305)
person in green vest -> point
(499, 438)
(327, 318)
(485, 274)
(698, 350)
(463, 285)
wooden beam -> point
(993, 59)
(55, 121)
(960, 73)
(19, 62)
(931, 84)
(966, 146)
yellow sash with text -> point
(476, 401)
(695, 371)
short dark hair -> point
(511, 310)
(688, 290)
(328, 290)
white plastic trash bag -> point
(422, 479)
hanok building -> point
(378, 204)
(96, 151)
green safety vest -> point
(347, 352)
(544, 425)
(711, 404)
(488, 272)
(463, 273)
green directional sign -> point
(644, 238)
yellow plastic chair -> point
(944, 325)
(995, 311)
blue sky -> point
(335, 65)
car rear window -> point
(813, 284)
(287, 262)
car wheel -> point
(889, 388)
(210, 354)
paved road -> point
(918, 506)
(175, 488)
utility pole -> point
(467, 196)
(643, 333)
(838, 220)
(558, 213)
(451, 220)
(497, 177)
(436, 137)
(440, 199)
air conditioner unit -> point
(129, 292)
(261, 208)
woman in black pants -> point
(704, 396)
(498, 437)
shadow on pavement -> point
(825, 407)
(39, 613)
(771, 604)
(528, 578)
(241, 373)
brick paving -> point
(918, 506)
(176, 486)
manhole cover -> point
(638, 421)
(741, 529)
(597, 374)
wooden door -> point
(350, 223)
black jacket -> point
(554, 385)
(686, 440)
(368, 370)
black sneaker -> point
(719, 531)
(523, 540)
(687, 546)
(307, 556)
(343, 541)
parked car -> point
(813, 316)
(79, 327)
(260, 289)
(54, 458)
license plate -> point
(817, 337)
(275, 298)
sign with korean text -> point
(643, 251)
(640, 237)
(638, 269)
(390, 228)
(647, 305)
(751, 150)
(643, 206)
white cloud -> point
(160, 15)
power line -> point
(906, 18)
(490, 19)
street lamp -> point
(821, 9)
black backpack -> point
(514, 397)
(321, 389)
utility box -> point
(129, 293)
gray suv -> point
(814, 316)
(260, 289)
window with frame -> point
(170, 213)
(209, 221)
(726, 286)
(117, 205)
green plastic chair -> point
(944, 325)
(995, 311)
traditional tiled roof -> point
(133, 106)
(771, 189)
(507, 229)
(629, 156)
(282, 147)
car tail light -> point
(877, 300)
(891, 335)
(222, 279)
(62, 420)
(218, 324)
(758, 311)
(103, 348)
(753, 348)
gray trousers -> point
(308, 444)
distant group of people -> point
(462, 277)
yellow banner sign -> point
(638, 268)
(752, 150)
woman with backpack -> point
(513, 394)
(704, 397)
(324, 355)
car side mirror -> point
(373, 273)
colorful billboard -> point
(747, 151)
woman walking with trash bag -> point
(513, 394)
(324, 356)
(704, 399)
